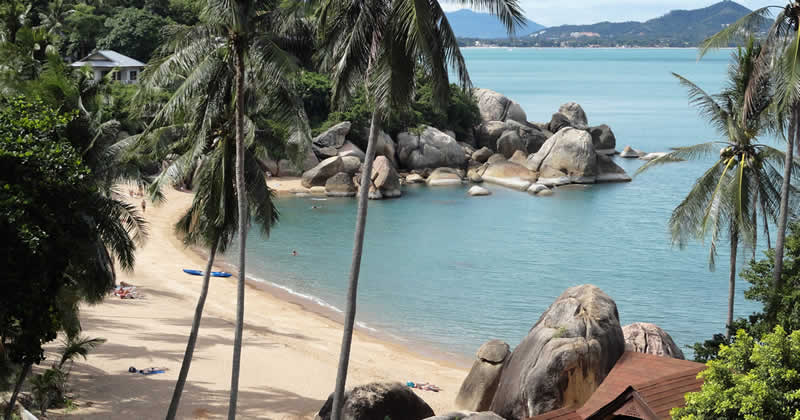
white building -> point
(104, 61)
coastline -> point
(290, 352)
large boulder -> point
(643, 337)
(509, 142)
(482, 155)
(564, 357)
(340, 185)
(574, 114)
(385, 180)
(443, 177)
(477, 390)
(385, 146)
(557, 122)
(334, 136)
(318, 175)
(350, 149)
(509, 174)
(309, 160)
(488, 133)
(494, 106)
(568, 154)
(325, 152)
(379, 401)
(603, 138)
(351, 164)
(430, 149)
(497, 157)
(608, 171)
(287, 168)
(519, 157)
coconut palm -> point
(377, 45)
(743, 179)
(229, 67)
(779, 61)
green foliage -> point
(84, 26)
(786, 300)
(751, 379)
(459, 114)
(123, 109)
(50, 387)
(315, 90)
(133, 32)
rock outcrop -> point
(385, 146)
(443, 177)
(340, 185)
(519, 157)
(482, 155)
(477, 390)
(509, 174)
(318, 175)
(430, 149)
(643, 337)
(350, 149)
(557, 122)
(603, 138)
(494, 106)
(608, 171)
(385, 180)
(379, 401)
(567, 157)
(287, 168)
(564, 357)
(415, 179)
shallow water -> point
(454, 271)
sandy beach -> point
(289, 356)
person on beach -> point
(144, 206)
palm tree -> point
(231, 64)
(745, 176)
(779, 62)
(378, 44)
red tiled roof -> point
(660, 381)
(640, 369)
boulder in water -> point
(385, 180)
(509, 174)
(429, 149)
(575, 115)
(631, 153)
(350, 149)
(510, 142)
(478, 191)
(568, 154)
(340, 185)
(494, 106)
(317, 175)
(557, 122)
(443, 177)
(415, 179)
(603, 138)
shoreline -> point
(289, 356)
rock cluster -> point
(379, 400)
(504, 149)
(649, 338)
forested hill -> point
(683, 26)
(678, 28)
(469, 24)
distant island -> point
(678, 28)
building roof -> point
(108, 59)
(641, 382)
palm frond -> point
(680, 154)
(738, 31)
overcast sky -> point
(561, 12)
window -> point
(118, 75)
(132, 74)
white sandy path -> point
(289, 356)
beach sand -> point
(289, 357)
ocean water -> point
(450, 271)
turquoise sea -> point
(445, 270)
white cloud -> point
(561, 12)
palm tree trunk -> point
(755, 220)
(355, 267)
(766, 225)
(732, 281)
(198, 315)
(242, 205)
(777, 279)
(18, 387)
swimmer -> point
(294, 253)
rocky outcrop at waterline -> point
(479, 387)
(643, 337)
(504, 149)
(379, 401)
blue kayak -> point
(200, 273)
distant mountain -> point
(677, 28)
(469, 24)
